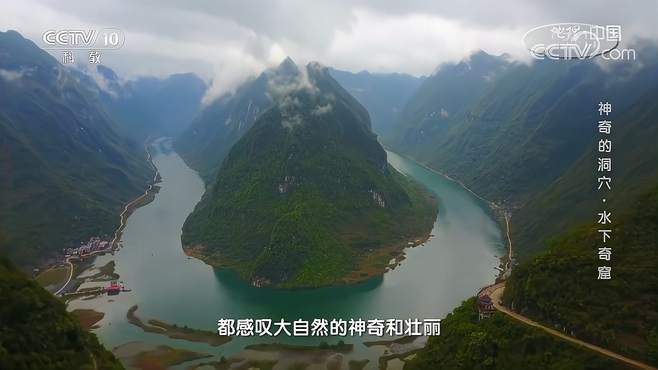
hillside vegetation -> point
(523, 135)
(65, 171)
(500, 343)
(307, 193)
(36, 332)
(560, 286)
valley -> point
(139, 212)
(152, 249)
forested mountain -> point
(212, 134)
(545, 151)
(383, 94)
(37, 333)
(147, 106)
(440, 103)
(65, 172)
(207, 141)
(501, 343)
(573, 198)
(523, 127)
(560, 287)
(306, 193)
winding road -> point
(496, 296)
(68, 261)
(128, 208)
(123, 217)
(496, 293)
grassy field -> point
(176, 332)
(52, 279)
(88, 318)
(143, 356)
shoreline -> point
(498, 210)
(366, 266)
(371, 265)
(401, 246)
(142, 200)
(131, 206)
(174, 331)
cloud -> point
(14, 75)
(10, 76)
(101, 81)
(322, 109)
(225, 41)
(281, 86)
(416, 43)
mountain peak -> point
(479, 53)
(288, 66)
(107, 73)
(12, 33)
(288, 61)
(310, 155)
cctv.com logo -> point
(560, 41)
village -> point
(64, 264)
(93, 246)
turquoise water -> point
(167, 285)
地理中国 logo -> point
(576, 41)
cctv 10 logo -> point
(106, 38)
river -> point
(168, 285)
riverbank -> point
(284, 356)
(140, 201)
(72, 262)
(368, 249)
(53, 278)
(383, 260)
(175, 289)
(145, 356)
(56, 278)
(502, 215)
(88, 318)
(369, 265)
(175, 332)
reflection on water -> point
(239, 289)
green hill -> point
(207, 141)
(383, 94)
(306, 195)
(500, 343)
(146, 106)
(37, 333)
(65, 172)
(560, 287)
(572, 198)
(528, 142)
(442, 101)
(519, 129)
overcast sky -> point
(225, 41)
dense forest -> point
(500, 343)
(307, 193)
(67, 171)
(36, 332)
(560, 287)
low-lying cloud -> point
(226, 41)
